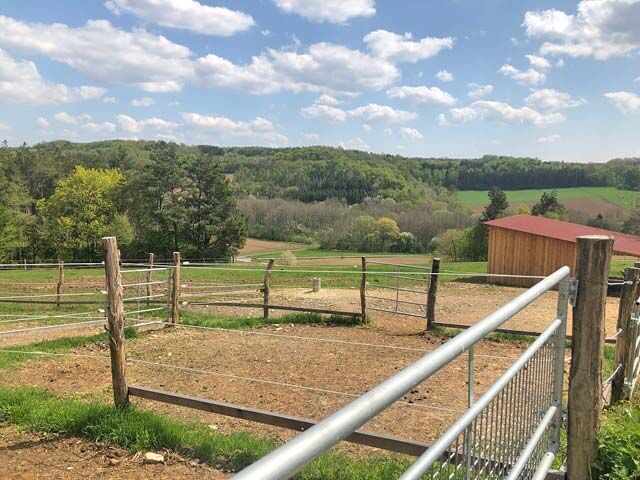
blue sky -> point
(558, 80)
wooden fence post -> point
(636, 264)
(175, 289)
(363, 290)
(115, 321)
(585, 378)
(265, 287)
(149, 276)
(60, 281)
(434, 281)
(624, 346)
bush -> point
(288, 258)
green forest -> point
(58, 199)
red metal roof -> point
(624, 244)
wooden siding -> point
(518, 253)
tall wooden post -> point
(266, 283)
(434, 281)
(60, 281)
(115, 321)
(149, 276)
(175, 289)
(363, 290)
(636, 264)
(624, 341)
(585, 378)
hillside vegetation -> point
(204, 200)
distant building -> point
(530, 245)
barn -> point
(530, 245)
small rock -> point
(151, 457)
(213, 427)
(114, 461)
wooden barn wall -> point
(519, 253)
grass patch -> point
(136, 430)
(59, 345)
(303, 318)
(619, 444)
(623, 198)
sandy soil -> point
(29, 456)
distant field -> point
(621, 198)
(255, 246)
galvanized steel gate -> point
(510, 432)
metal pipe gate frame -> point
(295, 454)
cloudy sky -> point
(555, 79)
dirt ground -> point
(254, 245)
(29, 456)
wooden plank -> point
(433, 293)
(361, 437)
(115, 319)
(279, 307)
(624, 341)
(524, 333)
(585, 377)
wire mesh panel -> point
(146, 293)
(632, 369)
(494, 441)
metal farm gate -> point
(512, 431)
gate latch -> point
(573, 292)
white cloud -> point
(548, 99)
(637, 80)
(333, 11)
(366, 127)
(411, 133)
(143, 102)
(374, 112)
(311, 136)
(109, 100)
(538, 62)
(528, 77)
(42, 122)
(265, 33)
(600, 29)
(402, 48)
(560, 63)
(425, 96)
(354, 144)
(477, 91)
(224, 128)
(505, 113)
(104, 52)
(20, 82)
(549, 139)
(325, 67)
(186, 15)
(324, 112)
(444, 76)
(106, 127)
(4, 126)
(131, 125)
(64, 117)
(369, 113)
(442, 120)
(626, 102)
(327, 100)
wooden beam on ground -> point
(361, 437)
(585, 377)
(524, 333)
(278, 307)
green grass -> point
(136, 430)
(619, 443)
(623, 198)
(205, 319)
(313, 252)
(59, 345)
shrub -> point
(288, 258)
